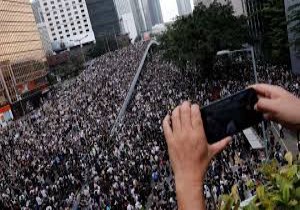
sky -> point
(170, 10)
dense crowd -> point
(44, 156)
(61, 155)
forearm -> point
(189, 195)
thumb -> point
(216, 148)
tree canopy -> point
(275, 45)
(192, 41)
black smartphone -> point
(230, 115)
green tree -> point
(275, 45)
(280, 190)
(192, 41)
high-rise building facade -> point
(134, 16)
(155, 12)
(22, 57)
(104, 17)
(294, 49)
(40, 21)
(68, 23)
(184, 7)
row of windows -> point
(71, 18)
(73, 28)
(68, 35)
(61, 6)
(69, 14)
(65, 21)
(58, 1)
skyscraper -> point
(68, 23)
(103, 16)
(184, 7)
(155, 12)
(294, 49)
(22, 58)
(40, 21)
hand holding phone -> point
(231, 115)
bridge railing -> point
(132, 88)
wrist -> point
(189, 194)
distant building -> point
(104, 17)
(294, 50)
(40, 21)
(22, 57)
(184, 7)
(155, 12)
(67, 22)
(135, 17)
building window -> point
(53, 7)
(76, 12)
(87, 30)
(68, 9)
(80, 27)
(83, 15)
(48, 14)
(79, 1)
(60, 6)
(68, 35)
(67, 31)
(64, 20)
(77, 17)
(46, 9)
(81, 6)
(55, 12)
(60, 32)
(51, 2)
(67, 3)
(72, 24)
(78, 22)
(61, 10)
(51, 24)
(57, 22)
(66, 26)
(49, 19)
(74, 7)
(45, 3)
(86, 25)
(74, 33)
(52, 29)
(81, 32)
(85, 20)
(82, 10)
(62, 16)
(58, 1)
(69, 14)
(55, 39)
(59, 27)
(56, 17)
(62, 37)
(53, 34)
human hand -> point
(189, 152)
(278, 105)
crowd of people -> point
(62, 156)
(44, 156)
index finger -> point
(265, 90)
(167, 128)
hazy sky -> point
(170, 10)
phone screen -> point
(231, 115)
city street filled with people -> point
(62, 155)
